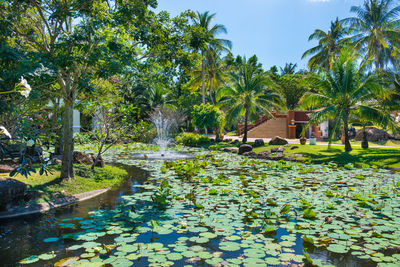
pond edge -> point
(46, 206)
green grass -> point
(383, 157)
(85, 180)
(390, 143)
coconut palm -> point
(289, 68)
(339, 93)
(153, 97)
(329, 45)
(371, 113)
(215, 69)
(377, 30)
(204, 37)
(249, 95)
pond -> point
(221, 209)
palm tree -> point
(215, 69)
(372, 114)
(155, 96)
(329, 45)
(339, 93)
(248, 94)
(377, 30)
(204, 36)
(289, 68)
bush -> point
(209, 116)
(143, 132)
(192, 139)
(81, 138)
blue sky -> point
(275, 30)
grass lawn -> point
(85, 180)
(384, 157)
(390, 143)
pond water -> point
(23, 237)
(220, 209)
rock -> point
(83, 158)
(278, 156)
(8, 164)
(250, 154)
(294, 155)
(278, 141)
(243, 148)
(258, 143)
(231, 149)
(11, 192)
(277, 149)
(6, 168)
(263, 155)
(87, 159)
(373, 134)
(294, 147)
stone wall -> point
(270, 129)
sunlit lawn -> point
(386, 157)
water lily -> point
(25, 87)
(206, 189)
(183, 224)
(4, 131)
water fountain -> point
(165, 122)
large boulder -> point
(258, 143)
(243, 148)
(250, 154)
(278, 156)
(278, 141)
(263, 155)
(231, 149)
(11, 192)
(373, 134)
(87, 159)
(277, 149)
(8, 164)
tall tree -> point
(204, 36)
(215, 70)
(329, 45)
(339, 93)
(377, 28)
(86, 39)
(249, 95)
(289, 68)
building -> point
(288, 125)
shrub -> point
(209, 116)
(81, 138)
(143, 132)
(192, 139)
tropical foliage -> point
(340, 92)
(249, 94)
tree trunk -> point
(364, 143)
(202, 80)
(67, 170)
(210, 90)
(347, 146)
(245, 126)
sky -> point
(276, 31)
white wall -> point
(324, 126)
(76, 122)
